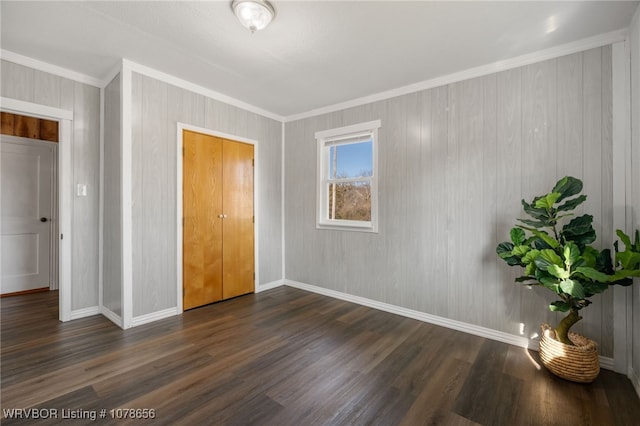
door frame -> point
(65, 171)
(179, 146)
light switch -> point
(81, 190)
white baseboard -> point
(154, 316)
(269, 286)
(85, 312)
(500, 336)
(110, 315)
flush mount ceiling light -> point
(253, 14)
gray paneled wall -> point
(112, 216)
(454, 163)
(26, 84)
(634, 37)
(157, 107)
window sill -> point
(366, 227)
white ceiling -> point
(314, 54)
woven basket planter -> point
(579, 363)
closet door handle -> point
(221, 216)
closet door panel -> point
(202, 230)
(237, 199)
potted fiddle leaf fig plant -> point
(554, 247)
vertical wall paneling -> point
(414, 183)
(156, 109)
(26, 84)
(86, 166)
(137, 182)
(455, 161)
(592, 172)
(436, 250)
(297, 147)
(471, 235)
(112, 215)
(152, 231)
(569, 139)
(126, 185)
(182, 106)
(634, 42)
(509, 161)
(539, 156)
(606, 184)
(47, 89)
(455, 199)
(18, 82)
(393, 189)
(570, 150)
(621, 159)
(490, 284)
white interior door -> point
(26, 176)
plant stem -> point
(562, 330)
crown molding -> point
(503, 65)
(187, 85)
(482, 70)
(50, 68)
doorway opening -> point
(50, 123)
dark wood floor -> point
(287, 357)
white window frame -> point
(325, 140)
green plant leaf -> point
(558, 272)
(559, 306)
(536, 213)
(547, 201)
(623, 274)
(548, 239)
(573, 288)
(504, 249)
(534, 223)
(571, 254)
(530, 256)
(525, 278)
(517, 236)
(548, 257)
(599, 260)
(571, 204)
(594, 287)
(580, 230)
(504, 252)
(530, 269)
(593, 274)
(568, 186)
(628, 259)
(624, 238)
(548, 281)
(520, 251)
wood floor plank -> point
(287, 357)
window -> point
(348, 178)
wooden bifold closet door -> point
(218, 237)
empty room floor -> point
(285, 357)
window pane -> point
(351, 160)
(350, 201)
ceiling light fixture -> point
(253, 14)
